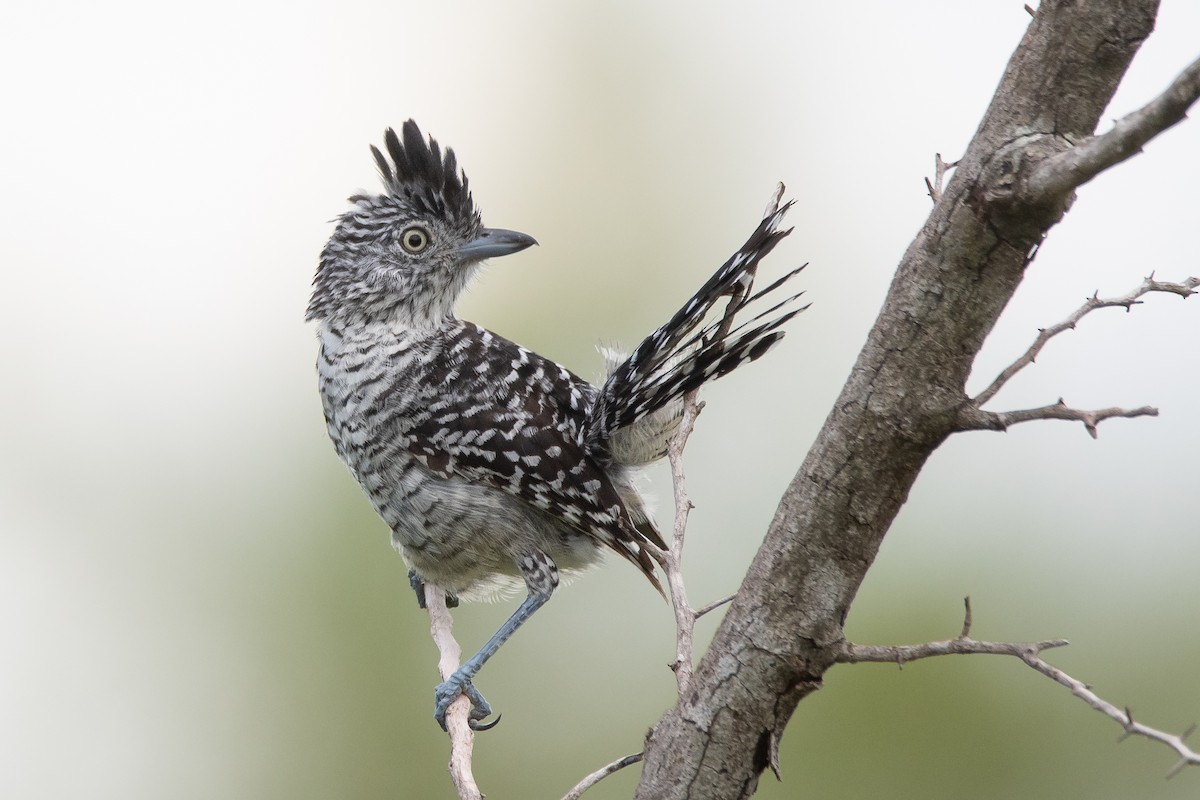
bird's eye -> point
(414, 239)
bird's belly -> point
(467, 538)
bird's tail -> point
(637, 409)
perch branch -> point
(462, 738)
(1063, 172)
(1030, 653)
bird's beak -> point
(493, 242)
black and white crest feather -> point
(421, 175)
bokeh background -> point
(197, 602)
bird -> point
(494, 467)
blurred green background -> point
(197, 602)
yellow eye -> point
(414, 239)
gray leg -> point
(541, 577)
(418, 586)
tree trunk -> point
(904, 397)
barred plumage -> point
(492, 465)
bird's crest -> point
(421, 175)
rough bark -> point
(902, 400)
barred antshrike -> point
(492, 465)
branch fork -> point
(973, 417)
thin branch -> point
(1126, 301)
(462, 738)
(1065, 171)
(714, 605)
(974, 419)
(671, 559)
(1030, 653)
(601, 774)
(962, 644)
(902, 654)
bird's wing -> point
(495, 413)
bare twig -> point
(1065, 171)
(1126, 301)
(601, 774)
(974, 419)
(962, 644)
(1030, 653)
(939, 175)
(968, 618)
(462, 738)
(714, 605)
(671, 559)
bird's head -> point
(405, 255)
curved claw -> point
(478, 725)
(449, 690)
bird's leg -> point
(418, 586)
(541, 577)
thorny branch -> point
(1030, 653)
(1126, 301)
(462, 738)
(973, 417)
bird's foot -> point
(449, 690)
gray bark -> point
(904, 397)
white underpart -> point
(646, 440)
